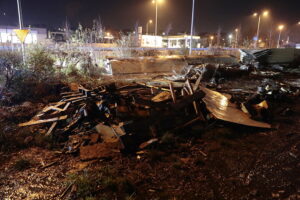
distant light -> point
(108, 33)
(255, 14)
(299, 23)
(230, 36)
(236, 30)
(259, 41)
(211, 37)
(280, 27)
(158, 1)
(150, 21)
(265, 13)
(163, 33)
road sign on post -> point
(21, 34)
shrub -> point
(10, 63)
(41, 62)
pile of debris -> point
(103, 121)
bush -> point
(10, 63)
(41, 63)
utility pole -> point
(21, 27)
(156, 18)
(192, 27)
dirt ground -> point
(222, 162)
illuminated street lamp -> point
(230, 38)
(192, 27)
(211, 40)
(156, 2)
(264, 14)
(21, 27)
(147, 26)
(236, 37)
(280, 28)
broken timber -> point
(42, 121)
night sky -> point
(124, 14)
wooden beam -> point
(42, 121)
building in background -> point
(8, 36)
(172, 42)
(150, 41)
(181, 41)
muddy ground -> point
(224, 161)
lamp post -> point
(211, 40)
(264, 14)
(156, 16)
(230, 39)
(236, 37)
(192, 27)
(280, 28)
(147, 26)
(21, 27)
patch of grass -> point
(22, 164)
(104, 182)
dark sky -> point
(124, 14)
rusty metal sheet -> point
(221, 108)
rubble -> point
(269, 57)
(161, 64)
(129, 116)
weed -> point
(104, 181)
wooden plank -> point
(75, 98)
(172, 92)
(51, 128)
(34, 122)
(196, 86)
(72, 95)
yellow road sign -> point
(21, 34)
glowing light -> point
(211, 37)
(108, 33)
(265, 13)
(150, 21)
(280, 27)
(255, 14)
(158, 1)
(236, 30)
(230, 36)
(299, 23)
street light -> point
(230, 38)
(280, 28)
(211, 40)
(236, 37)
(156, 2)
(263, 14)
(21, 27)
(147, 26)
(192, 27)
